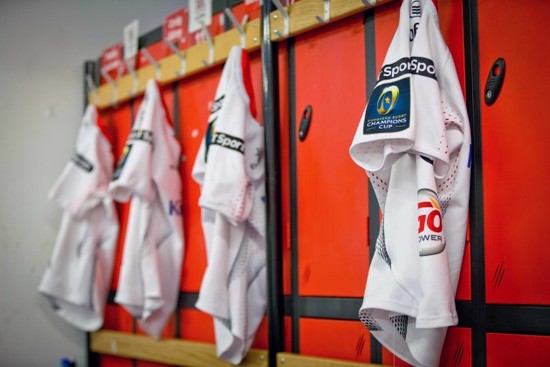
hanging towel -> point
(229, 168)
(414, 142)
(148, 174)
(78, 276)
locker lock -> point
(305, 122)
(494, 81)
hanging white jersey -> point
(229, 168)
(414, 142)
(78, 275)
(148, 174)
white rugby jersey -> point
(148, 173)
(229, 168)
(414, 142)
(78, 275)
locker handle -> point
(305, 122)
(495, 80)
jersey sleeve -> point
(387, 127)
(83, 182)
(133, 174)
(227, 187)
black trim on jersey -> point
(477, 234)
(217, 105)
(293, 175)
(270, 97)
(81, 162)
(141, 135)
(373, 224)
(227, 141)
(409, 65)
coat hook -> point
(326, 12)
(112, 83)
(236, 24)
(210, 42)
(245, 20)
(286, 22)
(181, 55)
(153, 62)
(369, 2)
(132, 70)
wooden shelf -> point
(169, 351)
(297, 360)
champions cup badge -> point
(387, 99)
(430, 223)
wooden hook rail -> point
(303, 16)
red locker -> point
(457, 351)
(514, 152)
(332, 192)
(517, 350)
(340, 339)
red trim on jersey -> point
(425, 204)
(247, 80)
(159, 88)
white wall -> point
(43, 44)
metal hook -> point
(236, 24)
(245, 20)
(153, 62)
(326, 13)
(208, 36)
(130, 67)
(181, 55)
(112, 83)
(369, 2)
(286, 21)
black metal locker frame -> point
(270, 89)
(477, 255)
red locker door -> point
(332, 203)
(517, 350)
(332, 191)
(514, 132)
